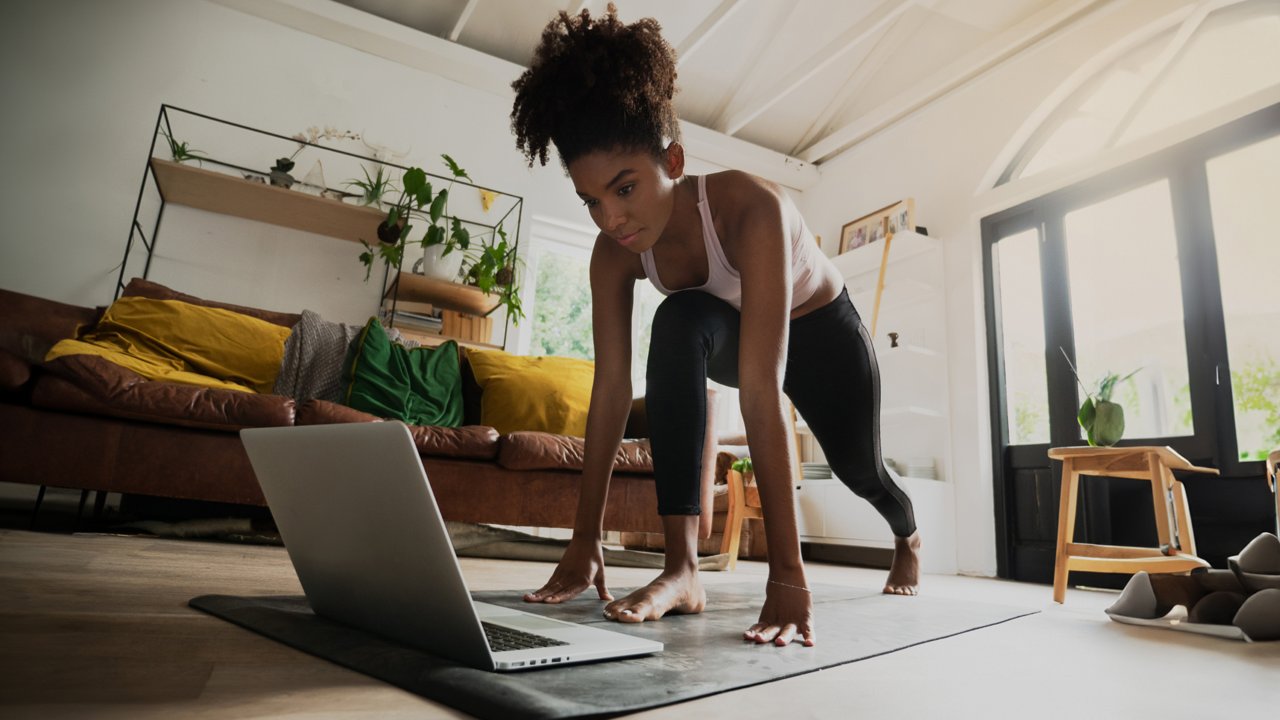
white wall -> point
(83, 82)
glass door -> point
(1165, 273)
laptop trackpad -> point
(530, 623)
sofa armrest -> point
(30, 325)
(14, 372)
(90, 384)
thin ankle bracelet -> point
(793, 587)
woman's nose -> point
(614, 219)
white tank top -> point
(723, 281)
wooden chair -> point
(1177, 551)
(744, 499)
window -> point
(1243, 187)
(560, 314)
(1126, 307)
(1022, 323)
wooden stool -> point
(1153, 464)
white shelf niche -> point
(905, 244)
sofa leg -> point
(84, 495)
(35, 511)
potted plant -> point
(493, 268)
(373, 189)
(490, 266)
(1102, 419)
(180, 151)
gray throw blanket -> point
(313, 358)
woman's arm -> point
(612, 293)
(758, 220)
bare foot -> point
(904, 573)
(677, 593)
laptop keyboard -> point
(505, 638)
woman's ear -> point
(675, 160)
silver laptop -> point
(363, 530)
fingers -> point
(787, 634)
(783, 635)
(762, 633)
(601, 589)
(554, 592)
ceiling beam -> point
(480, 71)
(781, 13)
(861, 74)
(870, 24)
(992, 53)
(462, 20)
(709, 25)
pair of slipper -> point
(1241, 603)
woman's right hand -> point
(581, 566)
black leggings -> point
(831, 378)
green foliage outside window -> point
(562, 308)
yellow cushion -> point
(550, 394)
(174, 341)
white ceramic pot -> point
(436, 265)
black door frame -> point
(1183, 167)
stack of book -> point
(417, 317)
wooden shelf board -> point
(230, 195)
(445, 294)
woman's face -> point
(629, 194)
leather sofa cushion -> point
(469, 442)
(145, 288)
(92, 385)
(528, 450)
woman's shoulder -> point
(738, 194)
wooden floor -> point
(97, 626)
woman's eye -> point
(590, 203)
(625, 190)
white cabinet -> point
(910, 345)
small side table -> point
(1177, 551)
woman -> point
(751, 303)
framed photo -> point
(874, 226)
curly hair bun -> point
(596, 84)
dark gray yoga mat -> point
(704, 653)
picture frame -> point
(873, 227)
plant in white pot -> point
(446, 245)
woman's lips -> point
(625, 240)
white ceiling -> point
(804, 78)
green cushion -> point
(420, 386)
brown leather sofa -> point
(82, 422)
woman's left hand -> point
(787, 615)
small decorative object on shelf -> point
(280, 176)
